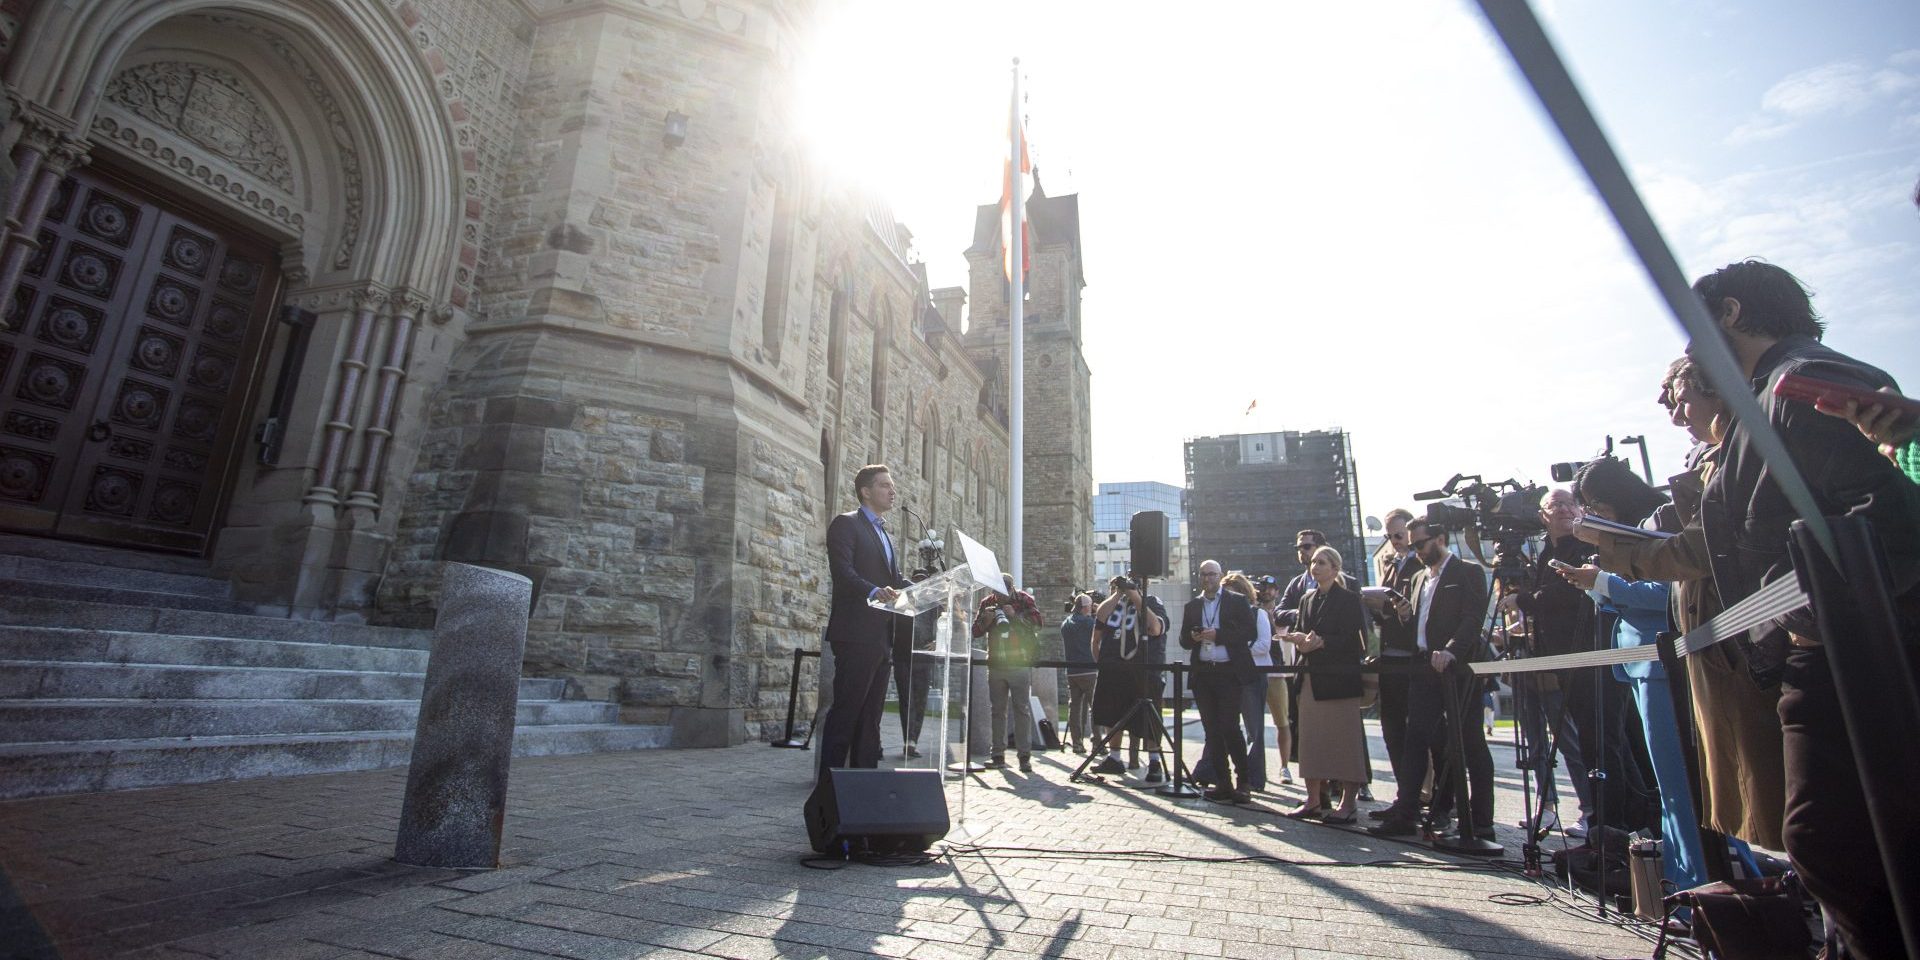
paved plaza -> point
(698, 853)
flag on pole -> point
(1250, 407)
(1010, 185)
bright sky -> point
(1357, 215)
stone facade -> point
(637, 364)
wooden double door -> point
(129, 368)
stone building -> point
(325, 293)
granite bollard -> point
(456, 798)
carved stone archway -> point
(320, 125)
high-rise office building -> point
(1113, 510)
(1249, 493)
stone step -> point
(44, 769)
(41, 680)
(44, 548)
(84, 614)
(41, 570)
(155, 599)
(119, 646)
(42, 721)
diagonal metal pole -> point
(1534, 54)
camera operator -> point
(1010, 623)
(1559, 619)
(1765, 318)
(1076, 640)
(1130, 628)
(1447, 610)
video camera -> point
(1505, 512)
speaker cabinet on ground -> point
(880, 811)
(1147, 539)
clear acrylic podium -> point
(953, 595)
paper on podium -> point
(929, 593)
(986, 569)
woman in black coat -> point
(1333, 742)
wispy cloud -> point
(1844, 89)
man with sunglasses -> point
(1447, 609)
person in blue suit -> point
(1609, 489)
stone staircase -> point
(121, 669)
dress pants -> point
(1253, 725)
(852, 735)
(1080, 706)
(1015, 685)
(1219, 696)
(1827, 833)
(1393, 713)
(1430, 707)
(912, 679)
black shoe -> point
(1154, 773)
(1385, 813)
(1111, 766)
(1397, 827)
(996, 763)
(1026, 765)
(1221, 795)
(1366, 793)
(1437, 827)
(1080, 749)
(913, 752)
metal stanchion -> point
(1875, 682)
(790, 742)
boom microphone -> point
(1431, 495)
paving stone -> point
(619, 855)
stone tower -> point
(1059, 446)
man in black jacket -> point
(1559, 620)
(1218, 628)
(1447, 608)
(1765, 317)
(861, 559)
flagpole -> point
(1016, 320)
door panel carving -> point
(128, 368)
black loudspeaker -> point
(879, 811)
(1147, 535)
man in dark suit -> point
(1218, 629)
(1448, 608)
(864, 565)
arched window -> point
(837, 330)
(882, 340)
(773, 313)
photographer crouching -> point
(1011, 625)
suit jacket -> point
(1235, 632)
(858, 564)
(1459, 613)
(1337, 615)
(1395, 573)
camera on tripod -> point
(1505, 512)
